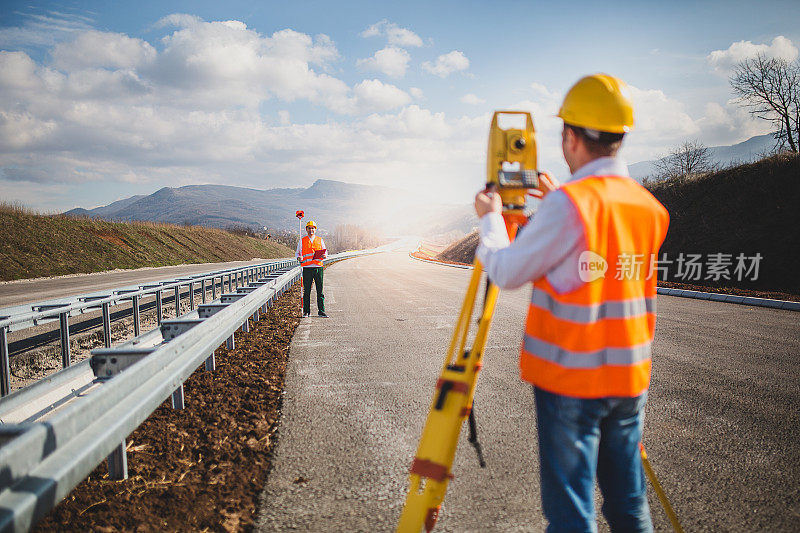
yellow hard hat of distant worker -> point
(311, 224)
(599, 102)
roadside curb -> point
(685, 293)
(454, 265)
(731, 298)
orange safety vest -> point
(594, 341)
(308, 252)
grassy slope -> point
(34, 245)
(753, 208)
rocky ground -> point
(201, 468)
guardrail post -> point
(231, 343)
(5, 368)
(246, 325)
(177, 301)
(159, 307)
(204, 290)
(256, 316)
(177, 398)
(211, 363)
(118, 463)
(213, 287)
(191, 295)
(63, 320)
(137, 326)
(106, 325)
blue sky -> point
(101, 100)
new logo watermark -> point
(591, 266)
(689, 267)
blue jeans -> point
(580, 439)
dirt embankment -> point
(749, 210)
(35, 245)
(201, 468)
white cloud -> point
(725, 60)
(95, 49)
(395, 35)
(446, 64)
(411, 122)
(374, 95)
(391, 61)
(43, 29)
(416, 92)
(178, 20)
(472, 99)
(115, 109)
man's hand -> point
(488, 201)
(547, 184)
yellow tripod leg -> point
(662, 496)
(430, 471)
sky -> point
(100, 101)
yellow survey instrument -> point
(511, 158)
(511, 168)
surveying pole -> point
(300, 215)
(511, 172)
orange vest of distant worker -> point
(595, 341)
(309, 248)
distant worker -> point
(311, 252)
(590, 252)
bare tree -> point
(688, 159)
(351, 237)
(769, 87)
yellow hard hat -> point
(311, 224)
(599, 102)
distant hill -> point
(328, 202)
(42, 245)
(752, 149)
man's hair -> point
(598, 143)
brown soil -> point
(462, 251)
(202, 468)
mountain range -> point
(328, 202)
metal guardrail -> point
(41, 462)
(64, 308)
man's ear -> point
(571, 139)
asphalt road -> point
(721, 424)
(40, 289)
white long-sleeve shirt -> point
(549, 245)
(299, 251)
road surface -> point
(721, 423)
(36, 290)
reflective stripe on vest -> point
(607, 356)
(586, 314)
(595, 341)
(308, 250)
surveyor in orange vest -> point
(309, 256)
(590, 252)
